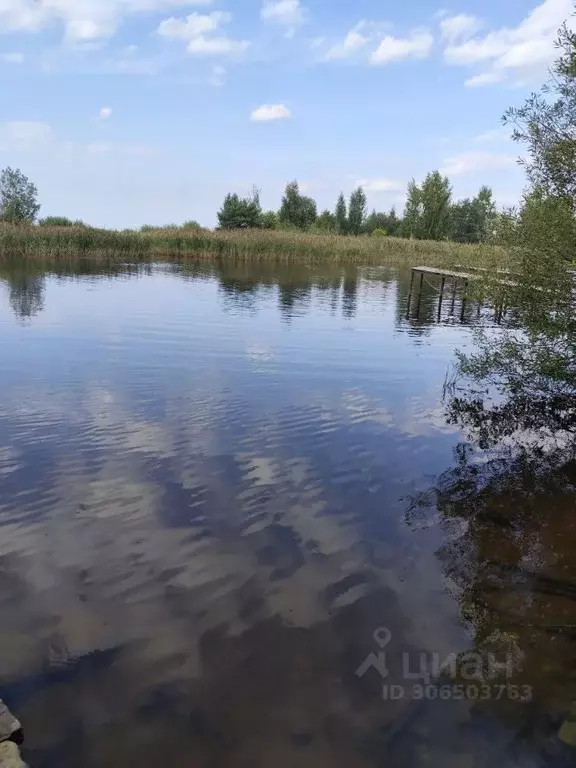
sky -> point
(131, 112)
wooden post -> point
(441, 298)
(410, 295)
(453, 297)
(419, 297)
(464, 297)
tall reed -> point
(57, 243)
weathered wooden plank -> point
(445, 273)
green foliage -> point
(486, 207)
(545, 123)
(394, 222)
(191, 225)
(241, 213)
(56, 221)
(546, 228)
(473, 221)
(327, 222)
(435, 198)
(270, 220)
(357, 212)
(55, 244)
(380, 232)
(375, 221)
(463, 225)
(297, 210)
(388, 221)
(160, 227)
(543, 233)
(412, 222)
(427, 215)
(341, 215)
(523, 381)
(18, 198)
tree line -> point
(430, 213)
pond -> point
(239, 528)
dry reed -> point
(47, 244)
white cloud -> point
(13, 58)
(459, 28)
(83, 20)
(268, 112)
(380, 185)
(194, 25)
(486, 78)
(23, 134)
(417, 46)
(496, 134)
(352, 43)
(217, 76)
(469, 162)
(199, 30)
(105, 113)
(519, 52)
(288, 13)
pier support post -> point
(441, 298)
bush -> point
(379, 233)
(57, 221)
(269, 220)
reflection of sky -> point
(113, 327)
(171, 467)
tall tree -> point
(18, 197)
(486, 211)
(436, 194)
(241, 212)
(297, 210)
(462, 225)
(341, 214)
(394, 222)
(412, 222)
(473, 221)
(357, 211)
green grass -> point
(49, 244)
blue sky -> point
(127, 112)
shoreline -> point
(37, 243)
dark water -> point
(211, 498)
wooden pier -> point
(465, 277)
(456, 276)
(443, 273)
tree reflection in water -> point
(508, 502)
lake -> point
(236, 523)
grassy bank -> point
(48, 244)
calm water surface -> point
(207, 509)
